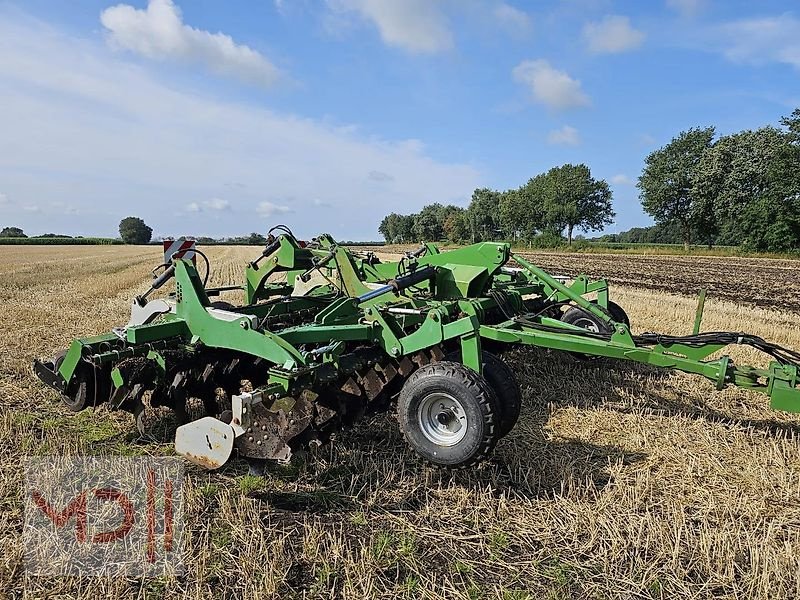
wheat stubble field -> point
(618, 482)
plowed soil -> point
(763, 282)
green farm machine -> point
(325, 335)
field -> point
(619, 481)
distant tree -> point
(733, 180)
(456, 228)
(405, 228)
(12, 232)
(390, 228)
(574, 199)
(667, 180)
(255, 239)
(483, 216)
(521, 210)
(429, 222)
(133, 230)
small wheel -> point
(79, 388)
(448, 413)
(579, 317)
(504, 383)
(222, 305)
(618, 313)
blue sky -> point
(221, 118)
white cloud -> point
(3, 199)
(550, 86)
(762, 40)
(148, 148)
(215, 204)
(417, 26)
(566, 135)
(612, 34)
(621, 179)
(320, 203)
(513, 19)
(158, 33)
(687, 8)
(268, 209)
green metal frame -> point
(457, 306)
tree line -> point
(741, 189)
(549, 207)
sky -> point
(217, 118)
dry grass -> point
(619, 481)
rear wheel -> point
(504, 383)
(448, 414)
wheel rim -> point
(442, 419)
(587, 323)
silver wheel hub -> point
(442, 419)
(587, 324)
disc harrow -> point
(324, 336)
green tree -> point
(389, 228)
(133, 230)
(667, 180)
(573, 199)
(456, 226)
(405, 228)
(429, 222)
(521, 210)
(12, 232)
(741, 189)
(482, 216)
(256, 239)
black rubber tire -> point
(618, 313)
(222, 305)
(79, 388)
(504, 383)
(476, 397)
(575, 315)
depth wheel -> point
(579, 317)
(618, 313)
(79, 389)
(504, 383)
(448, 414)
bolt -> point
(250, 439)
(258, 443)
